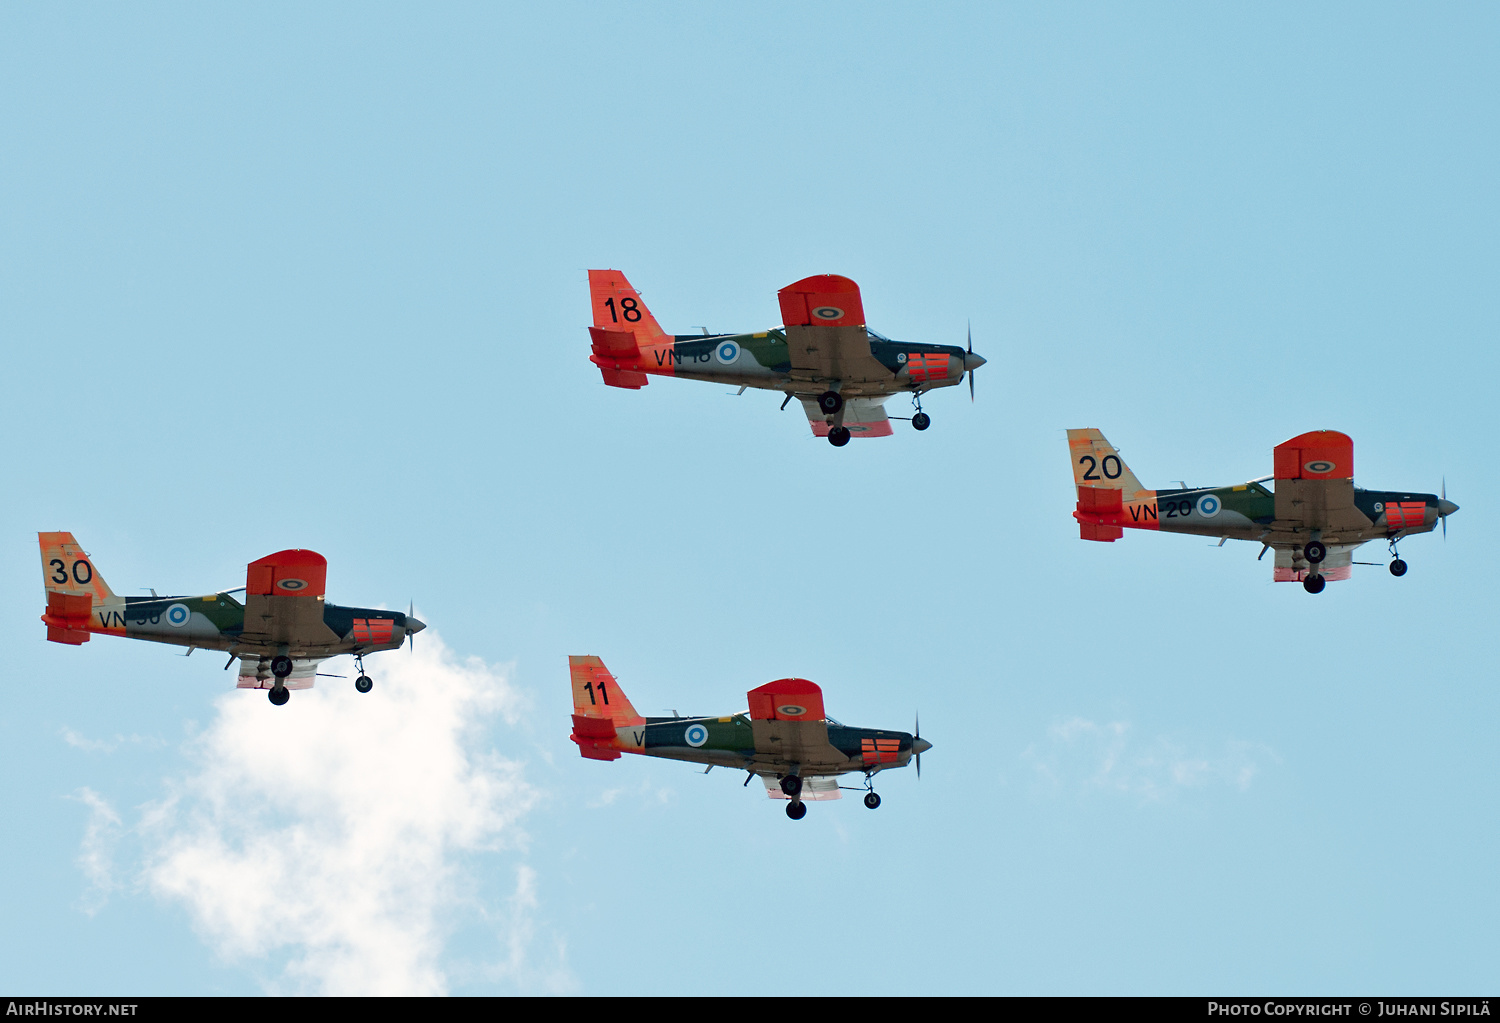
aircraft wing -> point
(284, 602)
(1315, 485)
(255, 673)
(824, 319)
(863, 417)
(818, 786)
(1291, 567)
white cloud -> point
(347, 832)
(1083, 755)
(96, 855)
(83, 742)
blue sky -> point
(277, 276)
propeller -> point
(413, 626)
(917, 735)
(1445, 508)
(971, 391)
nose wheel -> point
(1398, 567)
(796, 809)
(279, 694)
(838, 436)
(1314, 584)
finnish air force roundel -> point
(696, 735)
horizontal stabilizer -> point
(1094, 531)
(1097, 514)
(67, 617)
(593, 728)
(618, 357)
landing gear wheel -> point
(281, 666)
(1314, 584)
(796, 809)
(838, 436)
(1398, 568)
(872, 800)
(279, 695)
(921, 420)
(791, 785)
(1315, 551)
(364, 683)
(830, 402)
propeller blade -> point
(971, 372)
(411, 637)
(918, 733)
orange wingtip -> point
(290, 573)
(1317, 455)
(824, 300)
(787, 699)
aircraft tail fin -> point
(1098, 465)
(624, 330)
(600, 708)
(1104, 482)
(73, 588)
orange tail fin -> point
(600, 709)
(73, 587)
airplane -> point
(824, 356)
(279, 634)
(785, 739)
(1313, 519)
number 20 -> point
(1110, 471)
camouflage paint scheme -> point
(284, 614)
(824, 345)
(784, 734)
(1314, 500)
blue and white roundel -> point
(828, 312)
(1320, 466)
(727, 352)
(696, 735)
(292, 584)
(1209, 505)
(178, 615)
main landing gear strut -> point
(791, 786)
(364, 683)
(1398, 567)
(920, 421)
(281, 667)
